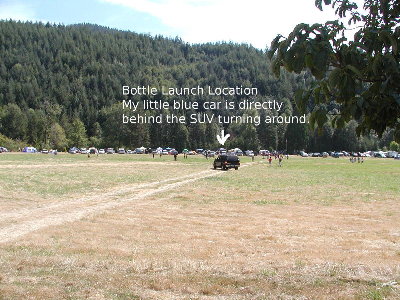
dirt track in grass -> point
(23, 221)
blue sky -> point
(83, 11)
(254, 22)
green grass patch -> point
(266, 202)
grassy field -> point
(134, 227)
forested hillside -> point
(61, 86)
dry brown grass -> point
(212, 240)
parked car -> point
(237, 152)
(110, 151)
(221, 151)
(121, 151)
(397, 156)
(102, 151)
(25, 149)
(173, 152)
(45, 151)
(392, 154)
(73, 150)
(138, 151)
(249, 153)
(92, 150)
(84, 151)
(379, 154)
(337, 154)
(209, 153)
(227, 162)
(325, 154)
(303, 154)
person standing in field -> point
(175, 156)
(270, 160)
(280, 160)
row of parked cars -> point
(160, 150)
(92, 150)
(387, 154)
(336, 154)
(223, 151)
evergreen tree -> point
(57, 138)
(76, 134)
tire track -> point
(29, 220)
(120, 191)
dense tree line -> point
(61, 86)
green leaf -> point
(276, 67)
(318, 4)
(354, 70)
(274, 46)
(377, 64)
(335, 77)
(298, 97)
(309, 61)
(389, 40)
(317, 93)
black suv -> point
(227, 162)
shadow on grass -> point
(219, 169)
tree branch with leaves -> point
(360, 76)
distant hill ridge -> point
(62, 85)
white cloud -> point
(16, 11)
(254, 21)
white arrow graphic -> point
(222, 139)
